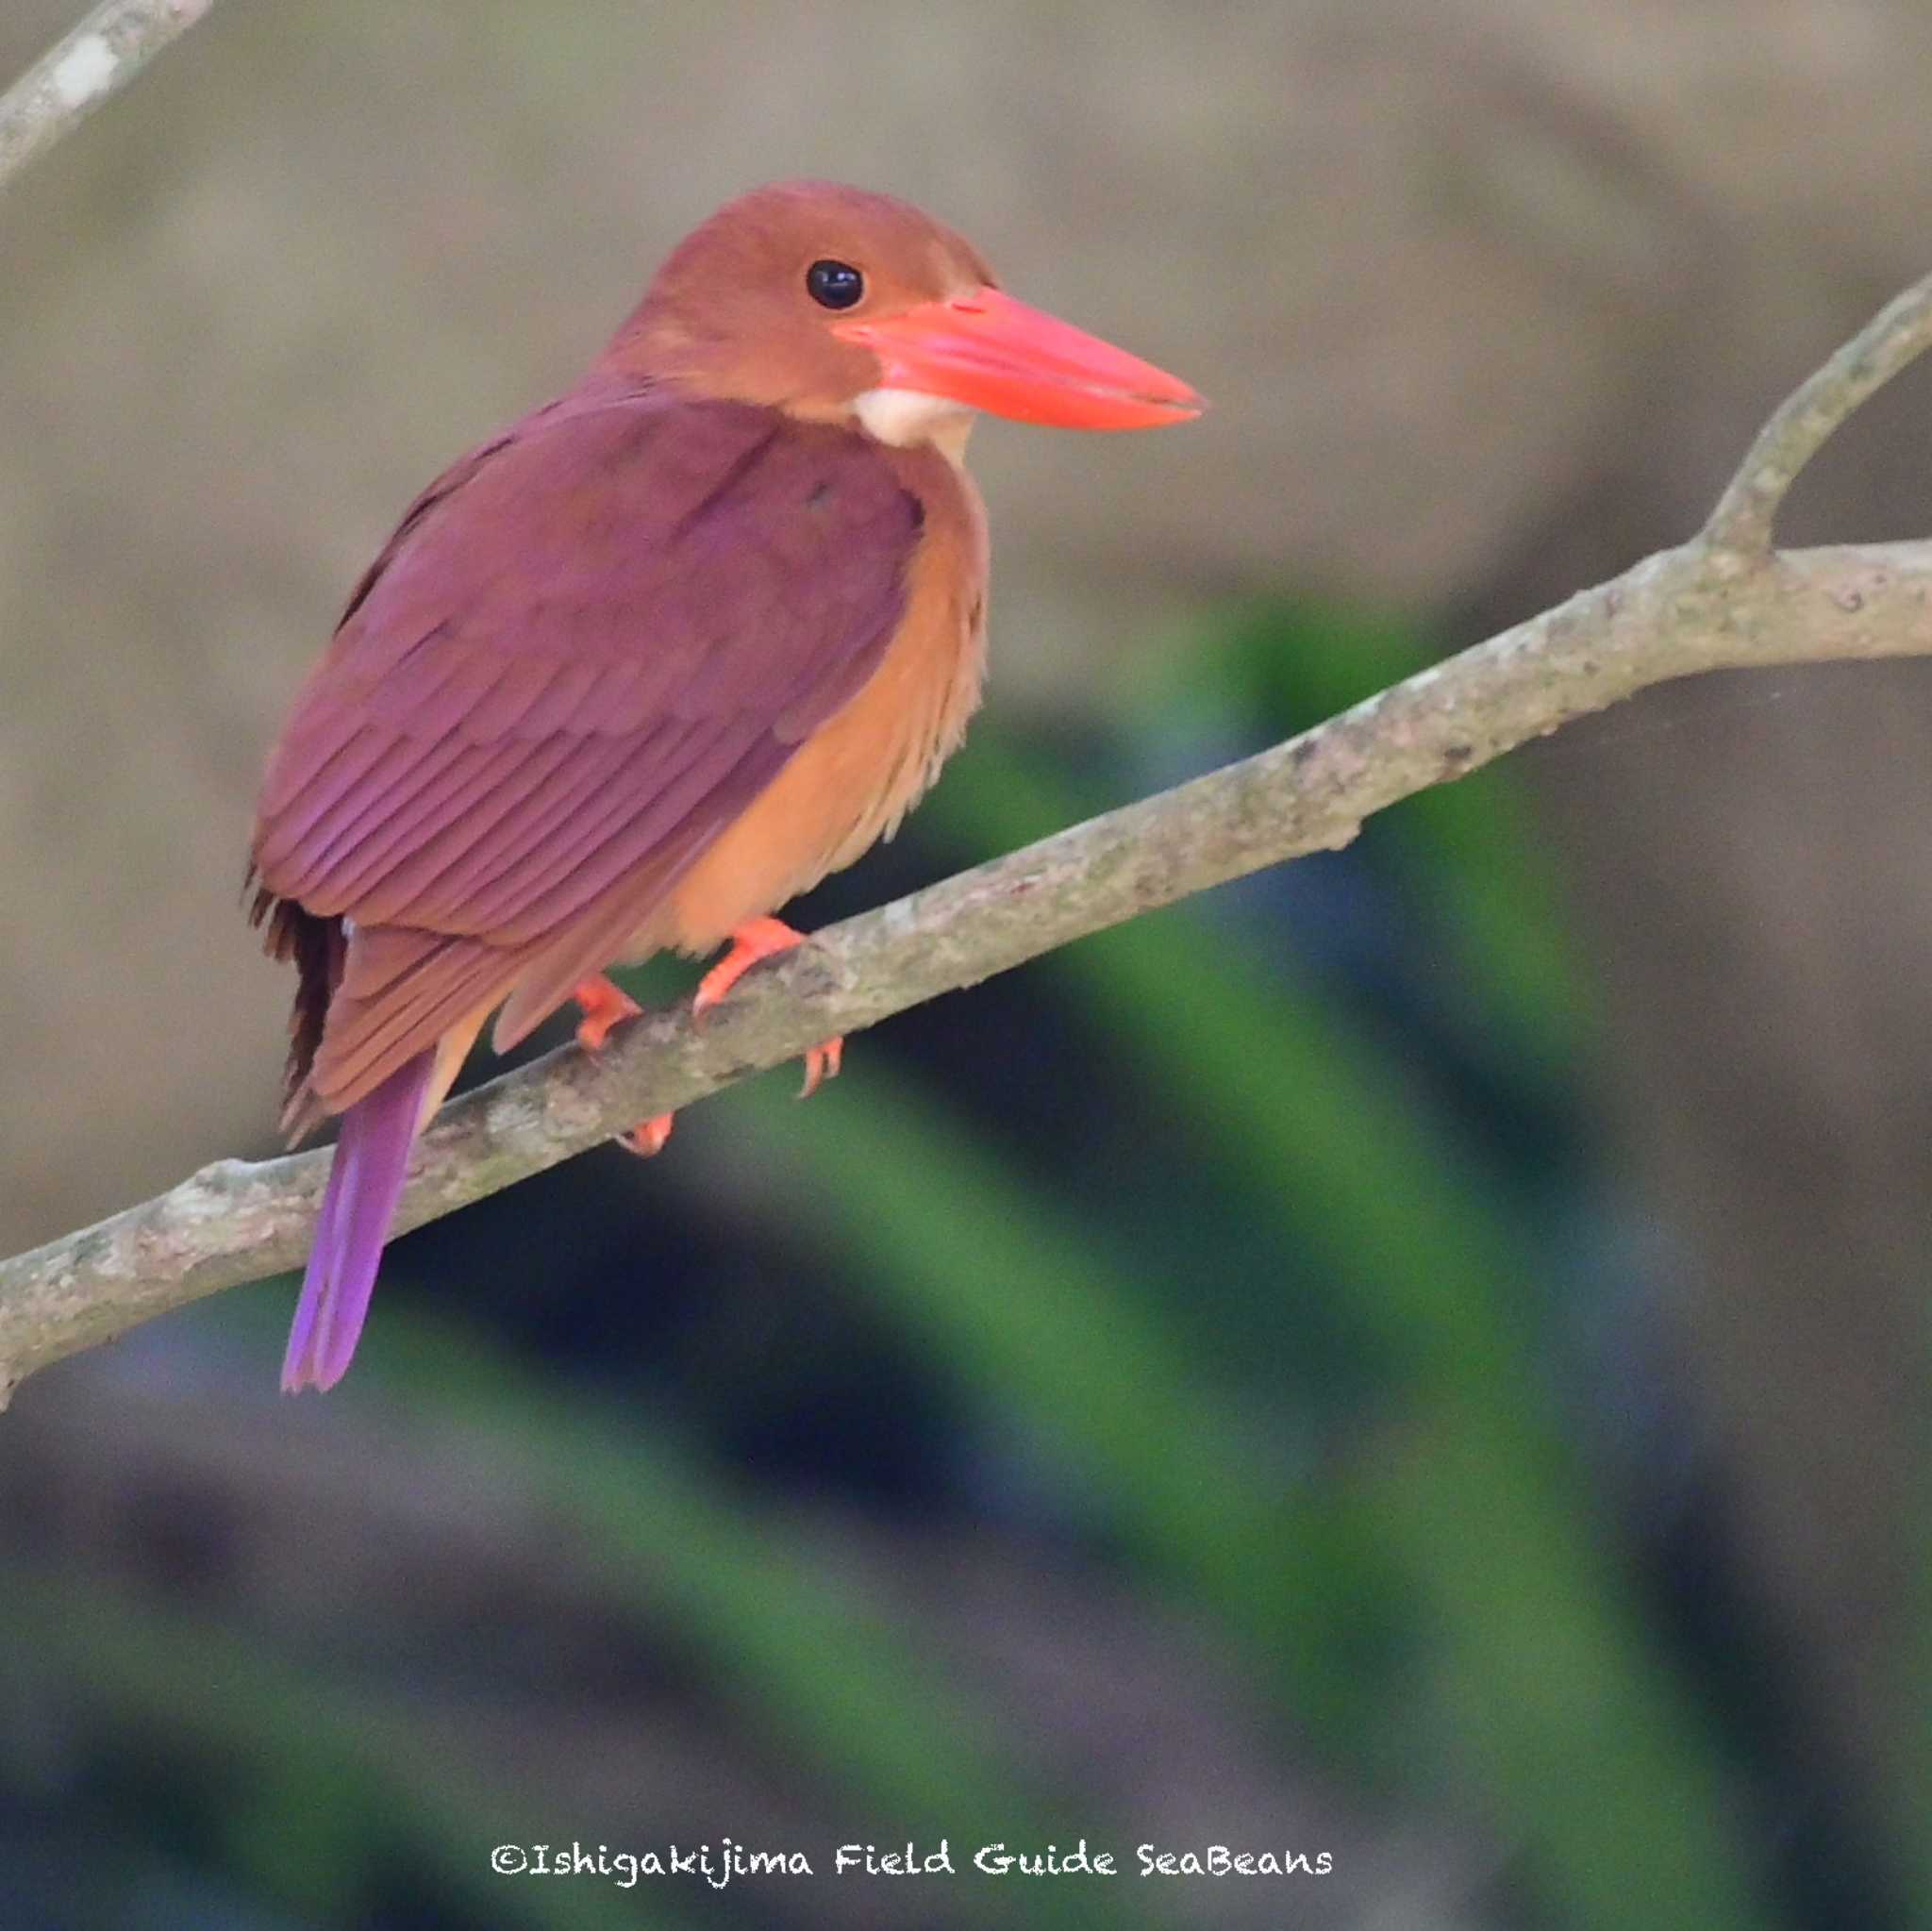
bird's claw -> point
(821, 1064)
(648, 1139)
(755, 939)
(605, 1004)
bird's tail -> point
(364, 1185)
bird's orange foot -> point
(605, 1005)
(648, 1139)
(755, 939)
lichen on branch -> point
(68, 81)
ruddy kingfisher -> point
(642, 667)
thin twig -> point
(1898, 334)
(98, 59)
(1721, 601)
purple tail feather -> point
(364, 1185)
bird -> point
(641, 668)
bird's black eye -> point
(833, 284)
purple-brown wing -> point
(586, 650)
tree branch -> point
(1723, 601)
(1802, 424)
(98, 59)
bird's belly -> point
(853, 779)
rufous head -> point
(837, 304)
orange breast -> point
(857, 776)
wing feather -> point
(588, 648)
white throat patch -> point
(905, 416)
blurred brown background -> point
(1489, 294)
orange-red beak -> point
(989, 352)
